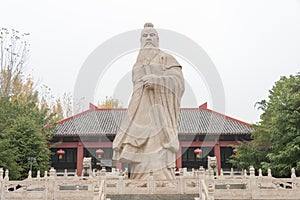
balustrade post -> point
(221, 174)
(98, 172)
(181, 182)
(102, 176)
(65, 173)
(269, 173)
(51, 184)
(1, 184)
(260, 172)
(96, 192)
(252, 171)
(202, 172)
(231, 172)
(6, 176)
(120, 185)
(29, 175)
(252, 186)
(293, 173)
(126, 173)
(38, 174)
(211, 191)
(52, 172)
(151, 182)
(293, 176)
(1, 174)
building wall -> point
(76, 148)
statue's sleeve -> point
(172, 78)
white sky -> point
(251, 42)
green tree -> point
(276, 140)
(23, 135)
(22, 116)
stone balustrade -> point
(51, 187)
(201, 183)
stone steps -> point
(151, 197)
(157, 197)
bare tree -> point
(14, 52)
(110, 103)
(67, 104)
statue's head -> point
(149, 37)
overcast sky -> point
(251, 42)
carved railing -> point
(200, 183)
(52, 187)
(249, 186)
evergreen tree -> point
(276, 140)
(23, 135)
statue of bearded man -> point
(147, 138)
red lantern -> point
(99, 152)
(198, 152)
(60, 153)
(234, 151)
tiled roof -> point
(191, 122)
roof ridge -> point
(120, 109)
(226, 116)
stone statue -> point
(147, 137)
(87, 166)
(212, 165)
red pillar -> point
(179, 158)
(217, 153)
(79, 158)
(118, 165)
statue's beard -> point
(147, 54)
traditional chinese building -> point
(82, 134)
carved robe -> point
(147, 137)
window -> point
(187, 138)
(227, 138)
(70, 139)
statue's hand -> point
(149, 81)
(149, 86)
